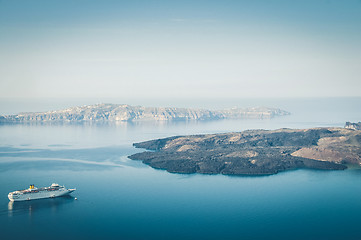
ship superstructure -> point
(32, 193)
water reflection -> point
(32, 207)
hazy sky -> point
(180, 49)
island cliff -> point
(119, 112)
(254, 152)
(354, 126)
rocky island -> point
(123, 112)
(254, 152)
(354, 126)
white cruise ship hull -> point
(39, 194)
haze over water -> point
(179, 49)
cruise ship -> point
(32, 193)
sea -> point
(119, 198)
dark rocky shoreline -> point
(254, 152)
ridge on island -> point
(254, 152)
(122, 112)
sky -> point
(180, 49)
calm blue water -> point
(123, 199)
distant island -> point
(254, 152)
(354, 126)
(122, 112)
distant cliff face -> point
(118, 112)
(354, 126)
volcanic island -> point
(254, 152)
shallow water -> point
(123, 199)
